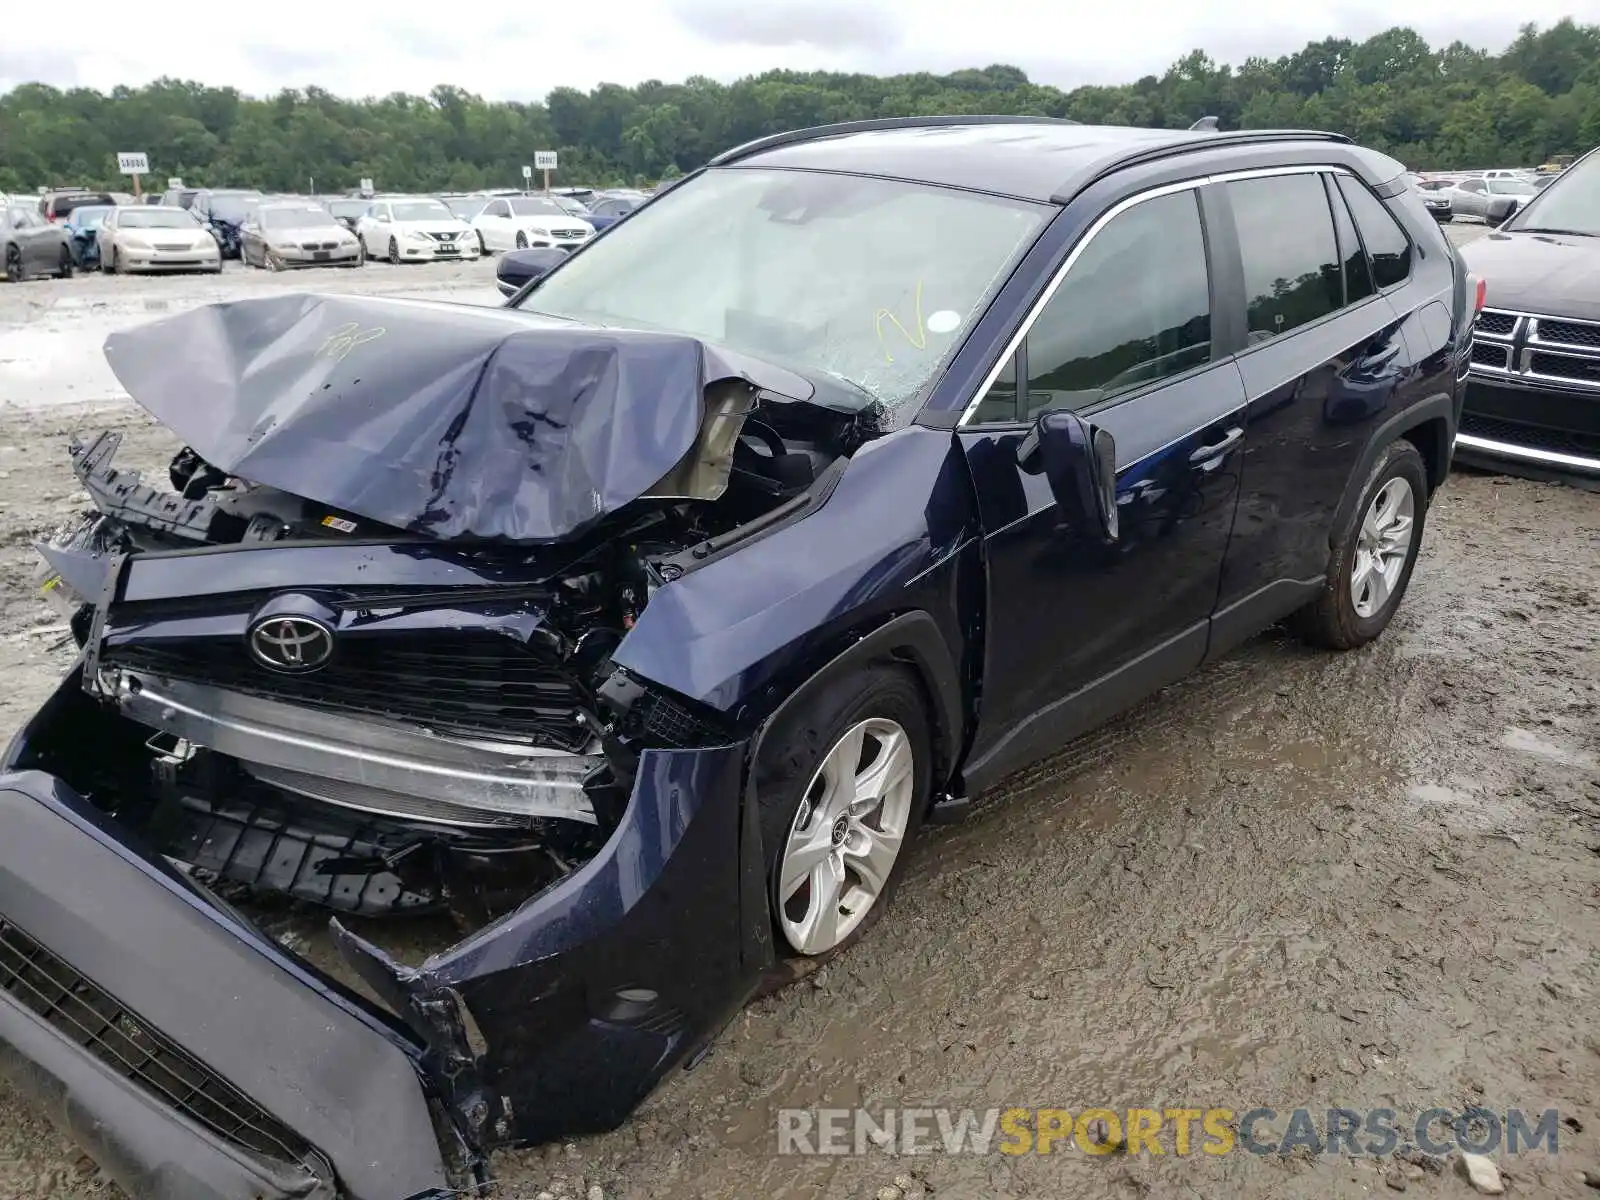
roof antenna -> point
(1204, 125)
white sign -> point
(130, 163)
(174, 182)
(545, 160)
(527, 172)
(366, 185)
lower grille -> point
(168, 249)
(474, 684)
(1556, 440)
(91, 1017)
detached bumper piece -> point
(133, 1096)
(189, 1055)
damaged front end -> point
(360, 655)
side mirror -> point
(1079, 461)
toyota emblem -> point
(293, 644)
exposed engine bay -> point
(289, 697)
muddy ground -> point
(1368, 880)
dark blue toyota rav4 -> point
(641, 623)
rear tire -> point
(13, 264)
(847, 823)
(1368, 568)
(64, 266)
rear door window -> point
(1292, 272)
(1387, 244)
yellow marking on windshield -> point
(347, 337)
(918, 340)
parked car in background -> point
(516, 268)
(83, 234)
(278, 235)
(347, 211)
(518, 222)
(1490, 200)
(30, 245)
(1435, 197)
(415, 229)
(1533, 394)
(54, 206)
(179, 197)
(641, 634)
(145, 238)
(223, 211)
(608, 210)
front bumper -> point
(344, 256)
(1531, 429)
(266, 1045)
(462, 251)
(170, 260)
(583, 998)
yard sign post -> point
(135, 163)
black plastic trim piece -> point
(711, 550)
(1262, 608)
(912, 637)
(1440, 407)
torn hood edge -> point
(450, 420)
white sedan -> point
(517, 222)
(415, 230)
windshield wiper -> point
(1544, 229)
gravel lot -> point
(1369, 880)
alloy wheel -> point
(846, 836)
(1382, 547)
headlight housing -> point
(135, 243)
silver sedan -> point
(297, 234)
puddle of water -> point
(1531, 743)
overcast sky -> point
(504, 49)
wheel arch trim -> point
(1437, 409)
(913, 639)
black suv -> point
(642, 622)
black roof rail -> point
(1202, 139)
(816, 132)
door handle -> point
(1215, 450)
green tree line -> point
(1450, 107)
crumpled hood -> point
(443, 419)
(1551, 274)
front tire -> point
(394, 253)
(522, 240)
(64, 266)
(842, 786)
(1373, 555)
(13, 264)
